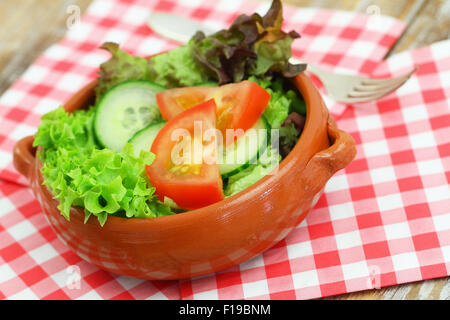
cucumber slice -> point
(246, 149)
(143, 139)
(124, 110)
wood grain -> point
(432, 24)
(28, 27)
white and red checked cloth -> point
(384, 220)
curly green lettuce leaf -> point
(177, 68)
(286, 111)
(58, 128)
(277, 109)
(288, 138)
(101, 181)
(298, 104)
(119, 68)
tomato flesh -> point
(187, 178)
(239, 105)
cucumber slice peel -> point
(143, 139)
(246, 149)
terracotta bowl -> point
(212, 238)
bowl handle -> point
(326, 163)
(24, 156)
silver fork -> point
(351, 89)
(340, 87)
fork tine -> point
(369, 81)
(381, 85)
(355, 89)
(370, 95)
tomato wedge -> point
(239, 105)
(181, 170)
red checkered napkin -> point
(35, 264)
(385, 219)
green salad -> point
(96, 159)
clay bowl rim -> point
(316, 118)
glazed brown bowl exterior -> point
(215, 237)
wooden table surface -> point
(28, 27)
